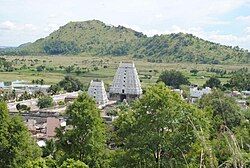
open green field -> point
(103, 68)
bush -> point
(213, 82)
(173, 78)
(45, 102)
(22, 107)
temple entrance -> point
(122, 97)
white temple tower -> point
(126, 83)
(97, 91)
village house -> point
(196, 93)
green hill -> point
(182, 47)
(96, 38)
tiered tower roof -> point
(126, 80)
(97, 91)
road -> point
(32, 103)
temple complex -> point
(97, 91)
(126, 83)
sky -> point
(221, 21)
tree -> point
(225, 110)
(160, 130)
(54, 89)
(16, 144)
(194, 71)
(40, 68)
(69, 69)
(70, 84)
(227, 124)
(50, 148)
(86, 140)
(46, 162)
(45, 102)
(22, 107)
(173, 78)
(240, 80)
(42, 82)
(213, 82)
(71, 163)
(25, 96)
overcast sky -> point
(223, 21)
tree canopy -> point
(68, 84)
(213, 82)
(71, 163)
(17, 147)
(160, 130)
(228, 122)
(45, 102)
(225, 110)
(173, 78)
(240, 80)
(86, 140)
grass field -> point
(144, 69)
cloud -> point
(28, 27)
(247, 30)
(52, 16)
(51, 27)
(147, 16)
(7, 25)
(233, 40)
(244, 19)
(11, 26)
(214, 36)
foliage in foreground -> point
(161, 130)
(158, 130)
(86, 140)
(228, 122)
(17, 147)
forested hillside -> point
(96, 38)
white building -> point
(126, 83)
(246, 93)
(22, 86)
(1, 85)
(178, 91)
(196, 93)
(97, 91)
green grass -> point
(144, 68)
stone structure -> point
(196, 93)
(97, 91)
(126, 83)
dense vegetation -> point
(69, 84)
(96, 38)
(17, 147)
(173, 78)
(240, 80)
(45, 102)
(158, 130)
(86, 141)
(5, 66)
